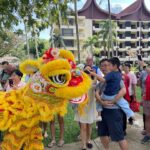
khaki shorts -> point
(146, 107)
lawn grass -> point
(72, 128)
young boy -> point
(112, 88)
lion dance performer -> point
(55, 81)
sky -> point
(123, 3)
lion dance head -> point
(55, 81)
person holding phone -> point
(14, 81)
(85, 120)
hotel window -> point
(128, 34)
(133, 45)
(133, 35)
(145, 25)
(71, 21)
(127, 43)
(145, 54)
(96, 25)
(121, 35)
(128, 24)
(69, 43)
(145, 45)
(133, 25)
(122, 45)
(67, 32)
(149, 44)
(122, 25)
(146, 36)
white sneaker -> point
(98, 118)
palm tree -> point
(90, 43)
(77, 31)
(26, 34)
(110, 30)
(57, 41)
(104, 35)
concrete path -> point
(133, 137)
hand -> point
(93, 73)
(14, 87)
(107, 103)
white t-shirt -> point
(133, 81)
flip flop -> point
(61, 143)
(52, 144)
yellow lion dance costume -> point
(55, 81)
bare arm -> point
(98, 97)
(134, 90)
(99, 100)
(98, 77)
(121, 94)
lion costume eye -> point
(59, 79)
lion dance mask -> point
(55, 81)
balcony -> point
(96, 29)
(146, 49)
(73, 36)
(145, 30)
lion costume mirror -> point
(55, 81)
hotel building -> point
(133, 29)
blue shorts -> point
(111, 124)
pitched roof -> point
(136, 11)
(92, 11)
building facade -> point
(133, 29)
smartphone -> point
(87, 72)
(139, 57)
(11, 82)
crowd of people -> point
(112, 101)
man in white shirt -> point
(133, 81)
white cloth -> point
(89, 115)
(133, 81)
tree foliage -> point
(9, 43)
(42, 46)
(91, 43)
(104, 35)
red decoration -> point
(73, 65)
(50, 55)
(75, 80)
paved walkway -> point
(133, 137)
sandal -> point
(51, 144)
(61, 143)
(89, 145)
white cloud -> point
(147, 4)
(123, 5)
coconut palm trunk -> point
(77, 30)
(60, 29)
(110, 32)
(36, 46)
(27, 41)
